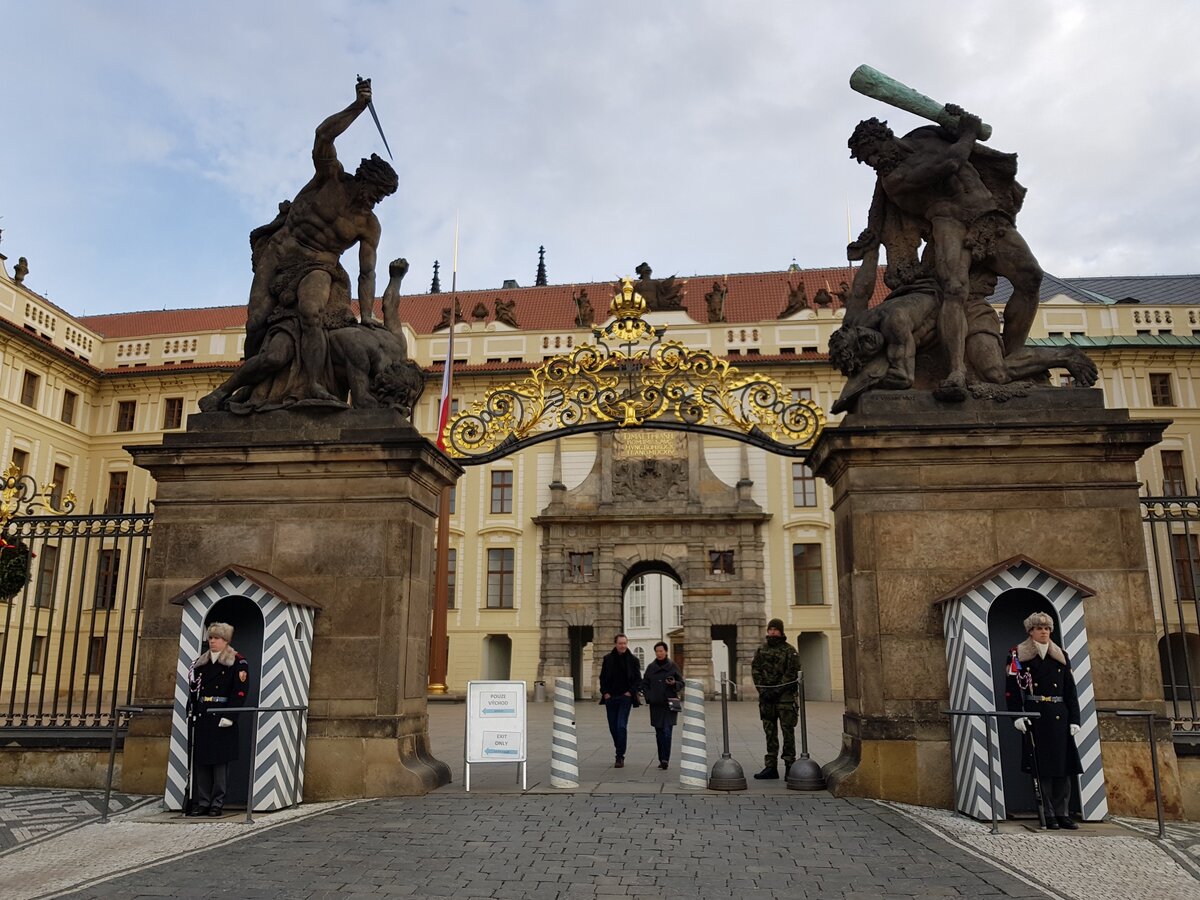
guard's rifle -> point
(1024, 681)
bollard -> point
(727, 774)
(804, 774)
(564, 752)
(693, 755)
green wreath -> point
(14, 568)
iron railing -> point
(69, 644)
(1172, 525)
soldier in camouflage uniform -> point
(776, 669)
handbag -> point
(674, 704)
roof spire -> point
(540, 280)
(436, 286)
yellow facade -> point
(171, 369)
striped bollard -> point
(693, 756)
(564, 755)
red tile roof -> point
(752, 297)
(166, 321)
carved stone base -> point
(928, 495)
(340, 505)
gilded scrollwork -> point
(631, 377)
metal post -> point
(253, 766)
(297, 793)
(1158, 800)
(112, 761)
(804, 774)
(727, 773)
(987, 723)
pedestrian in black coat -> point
(661, 684)
(620, 678)
(220, 677)
(1038, 679)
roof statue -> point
(660, 294)
(945, 211)
(304, 346)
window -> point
(581, 565)
(29, 388)
(47, 565)
(804, 486)
(637, 604)
(37, 655)
(1174, 479)
(720, 562)
(502, 491)
(115, 504)
(95, 657)
(640, 653)
(172, 413)
(806, 574)
(801, 394)
(1185, 556)
(500, 578)
(1160, 389)
(126, 412)
(106, 579)
(451, 577)
(60, 485)
(68, 407)
(20, 459)
(453, 498)
(676, 605)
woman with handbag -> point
(661, 685)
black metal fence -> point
(69, 635)
(1172, 525)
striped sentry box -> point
(564, 753)
(286, 659)
(693, 756)
(970, 665)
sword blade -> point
(375, 116)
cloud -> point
(145, 140)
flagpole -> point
(439, 642)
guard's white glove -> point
(1074, 730)
(1021, 725)
(225, 723)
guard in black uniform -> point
(1038, 679)
(219, 677)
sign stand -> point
(495, 728)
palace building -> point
(661, 534)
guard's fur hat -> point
(1038, 618)
(221, 630)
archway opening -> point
(652, 609)
(497, 657)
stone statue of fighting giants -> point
(304, 347)
(945, 211)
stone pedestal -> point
(926, 496)
(342, 505)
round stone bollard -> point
(693, 756)
(564, 751)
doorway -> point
(247, 621)
(497, 657)
(652, 607)
(579, 637)
(1006, 629)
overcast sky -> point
(142, 141)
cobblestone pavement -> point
(1182, 840)
(1101, 861)
(584, 846)
(29, 815)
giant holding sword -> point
(299, 288)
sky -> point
(142, 140)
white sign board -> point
(495, 723)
